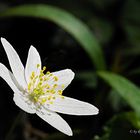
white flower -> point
(40, 92)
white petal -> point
(31, 64)
(55, 120)
(15, 82)
(64, 77)
(7, 76)
(15, 62)
(23, 104)
(72, 107)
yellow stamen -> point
(38, 65)
(40, 91)
(55, 78)
(60, 92)
(44, 68)
(47, 72)
(63, 86)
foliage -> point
(100, 42)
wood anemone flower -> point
(40, 92)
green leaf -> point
(68, 22)
(133, 33)
(131, 10)
(115, 100)
(121, 126)
(126, 89)
(88, 77)
(102, 28)
(131, 21)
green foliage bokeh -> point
(106, 34)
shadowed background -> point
(103, 45)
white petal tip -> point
(4, 42)
(69, 132)
(2, 39)
(94, 111)
(72, 73)
(32, 47)
(90, 110)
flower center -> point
(43, 86)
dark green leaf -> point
(126, 89)
(122, 126)
(131, 21)
(67, 21)
(88, 77)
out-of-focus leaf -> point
(131, 10)
(102, 5)
(67, 21)
(125, 88)
(133, 33)
(135, 72)
(104, 137)
(102, 29)
(89, 78)
(133, 118)
(131, 21)
(115, 100)
(121, 127)
(133, 51)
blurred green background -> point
(100, 41)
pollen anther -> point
(40, 91)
